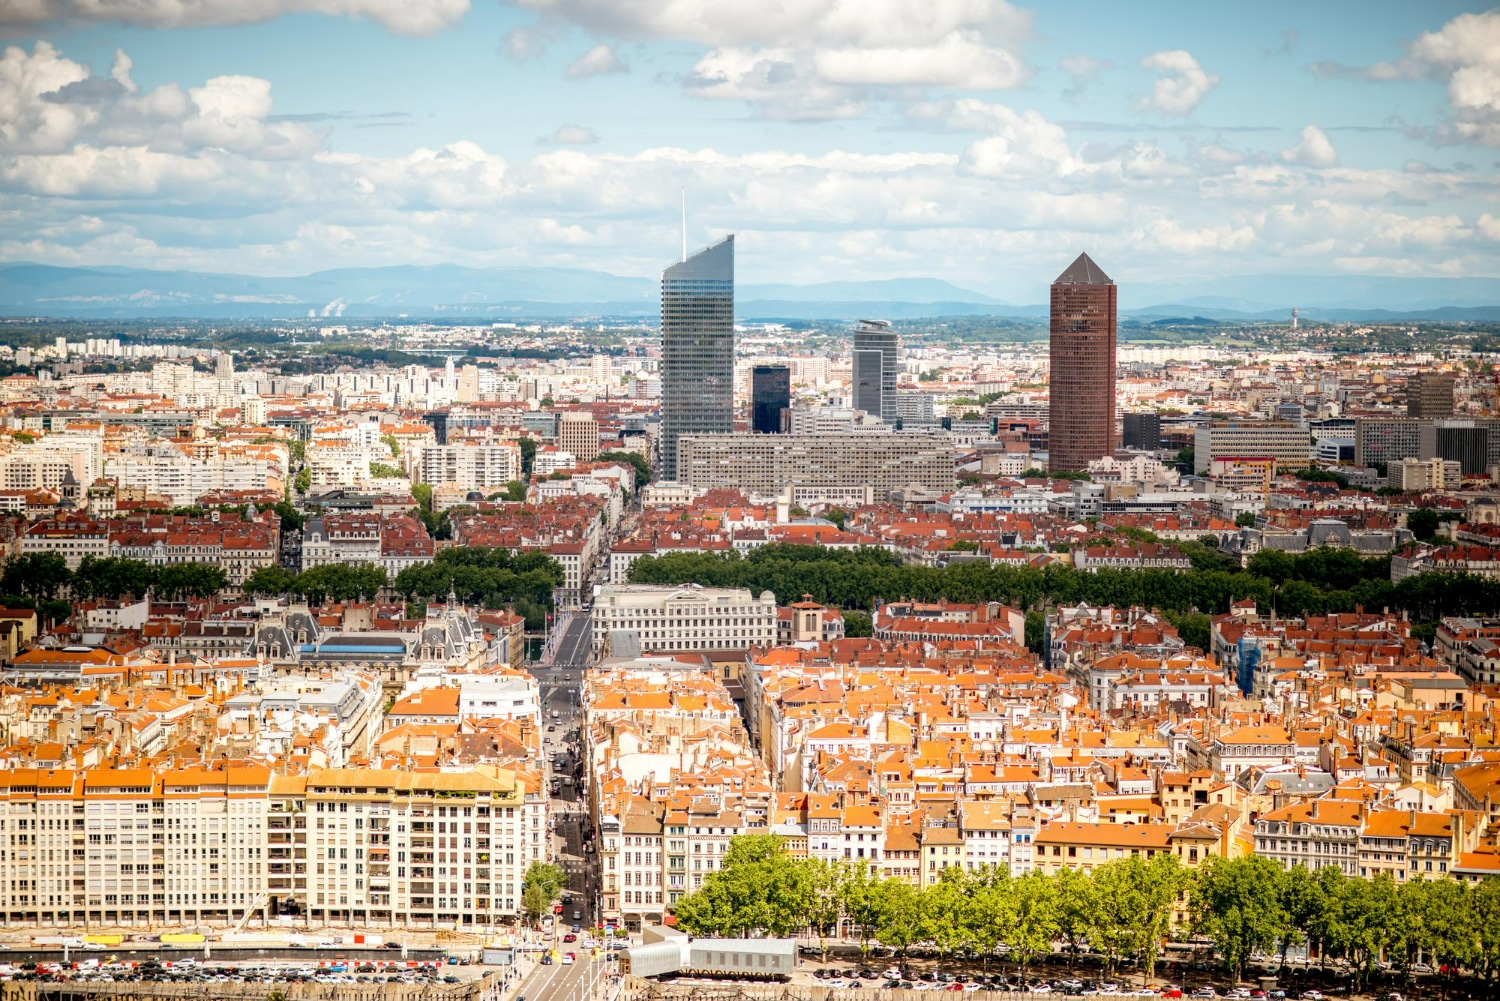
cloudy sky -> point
(971, 140)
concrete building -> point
(1433, 474)
(686, 618)
(578, 433)
(1430, 394)
(835, 466)
(1287, 443)
(470, 467)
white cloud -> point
(819, 58)
(202, 175)
(1180, 86)
(1465, 53)
(1312, 150)
(570, 135)
(1082, 70)
(522, 44)
(598, 61)
(402, 17)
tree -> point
(1038, 917)
(382, 471)
(900, 923)
(826, 905)
(513, 491)
(303, 482)
(541, 887)
(271, 580)
(838, 516)
(860, 897)
(36, 575)
(1237, 903)
(528, 454)
(1423, 523)
(858, 624)
(1245, 519)
(176, 581)
(635, 460)
(758, 888)
(1076, 894)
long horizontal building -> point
(677, 619)
(128, 847)
(1473, 444)
(855, 468)
(1289, 444)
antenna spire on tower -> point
(684, 224)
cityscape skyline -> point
(971, 144)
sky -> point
(972, 140)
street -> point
(560, 680)
(560, 982)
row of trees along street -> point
(1127, 909)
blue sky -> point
(841, 139)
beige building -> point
(578, 432)
(685, 618)
(1289, 444)
(128, 847)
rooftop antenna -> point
(684, 225)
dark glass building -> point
(1430, 394)
(697, 349)
(770, 394)
(1143, 431)
(1081, 413)
(877, 351)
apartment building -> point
(470, 466)
(1324, 832)
(1083, 845)
(834, 464)
(74, 538)
(166, 470)
(686, 618)
(1413, 474)
(1407, 844)
(128, 847)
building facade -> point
(770, 396)
(697, 349)
(1288, 444)
(834, 464)
(1430, 394)
(578, 433)
(673, 619)
(877, 350)
(1081, 411)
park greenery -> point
(1124, 910)
(329, 582)
(1316, 582)
(46, 577)
(493, 578)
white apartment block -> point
(45, 463)
(472, 467)
(683, 618)
(166, 470)
(129, 848)
(74, 540)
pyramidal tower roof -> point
(1083, 271)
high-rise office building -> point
(770, 394)
(1081, 411)
(877, 351)
(697, 349)
(1430, 394)
(1143, 431)
(578, 432)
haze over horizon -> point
(976, 142)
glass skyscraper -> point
(770, 394)
(876, 367)
(697, 349)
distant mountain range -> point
(484, 294)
